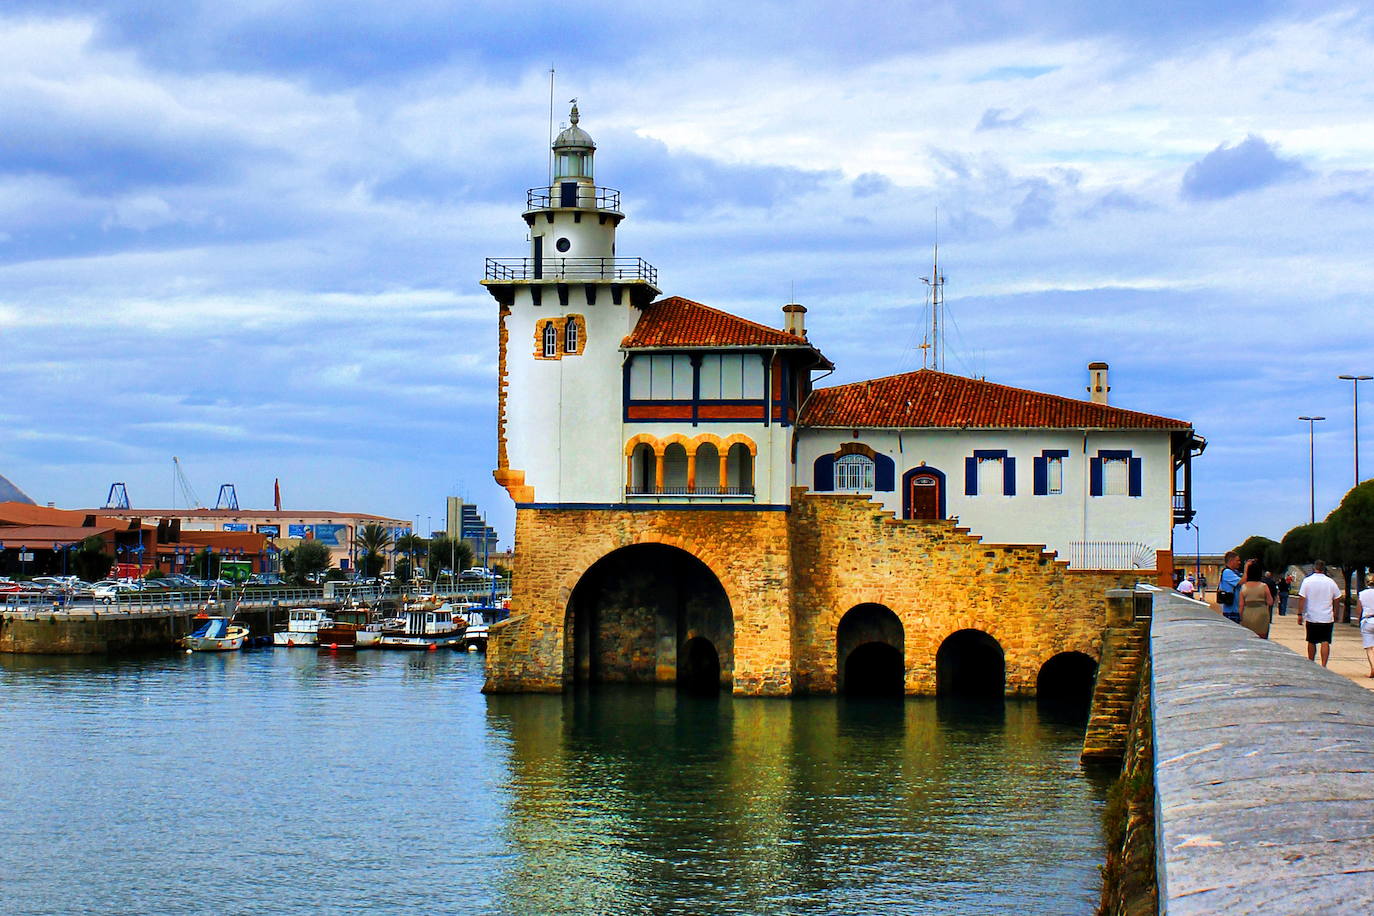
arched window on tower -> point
(854, 472)
(643, 469)
(550, 341)
(570, 332)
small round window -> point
(563, 245)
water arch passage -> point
(650, 614)
(869, 652)
(970, 663)
(1066, 681)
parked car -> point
(480, 573)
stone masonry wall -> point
(937, 579)
(747, 551)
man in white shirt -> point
(1186, 587)
(1319, 594)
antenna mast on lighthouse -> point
(932, 349)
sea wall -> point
(1263, 772)
(95, 632)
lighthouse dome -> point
(573, 137)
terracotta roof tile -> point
(678, 322)
(927, 398)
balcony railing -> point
(586, 196)
(685, 491)
(1110, 555)
(1183, 512)
(624, 269)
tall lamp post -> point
(1311, 467)
(1355, 383)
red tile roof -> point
(678, 322)
(927, 398)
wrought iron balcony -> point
(685, 491)
(576, 195)
(1183, 507)
(623, 269)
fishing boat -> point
(479, 619)
(302, 627)
(424, 626)
(216, 634)
(351, 628)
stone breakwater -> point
(1263, 773)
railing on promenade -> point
(198, 599)
(1110, 555)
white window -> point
(990, 479)
(550, 341)
(1116, 476)
(731, 376)
(570, 336)
(854, 472)
(661, 377)
(1054, 475)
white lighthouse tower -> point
(564, 311)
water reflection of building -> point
(625, 801)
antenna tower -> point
(932, 347)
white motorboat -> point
(423, 626)
(216, 634)
(302, 627)
(479, 619)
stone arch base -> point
(747, 551)
(937, 579)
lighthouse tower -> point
(564, 310)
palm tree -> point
(371, 543)
(444, 553)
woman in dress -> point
(1255, 600)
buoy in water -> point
(190, 652)
(432, 648)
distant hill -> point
(9, 493)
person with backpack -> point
(1229, 587)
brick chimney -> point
(793, 319)
(1097, 383)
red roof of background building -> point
(678, 322)
(927, 398)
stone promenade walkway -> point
(1347, 655)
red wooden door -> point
(924, 498)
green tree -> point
(1351, 528)
(1303, 544)
(90, 561)
(446, 553)
(371, 544)
(306, 559)
(1267, 550)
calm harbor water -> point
(290, 782)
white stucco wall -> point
(563, 416)
(1054, 520)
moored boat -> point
(302, 627)
(216, 634)
(350, 628)
(479, 619)
(424, 626)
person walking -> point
(1319, 594)
(1186, 587)
(1255, 601)
(1285, 586)
(1229, 586)
(1367, 624)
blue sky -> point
(250, 234)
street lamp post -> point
(1355, 383)
(1311, 467)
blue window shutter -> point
(970, 476)
(1095, 476)
(825, 473)
(884, 474)
(1040, 466)
(1008, 476)
(1135, 477)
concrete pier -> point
(95, 631)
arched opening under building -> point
(870, 653)
(1065, 684)
(700, 671)
(970, 663)
(650, 614)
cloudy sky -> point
(250, 234)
